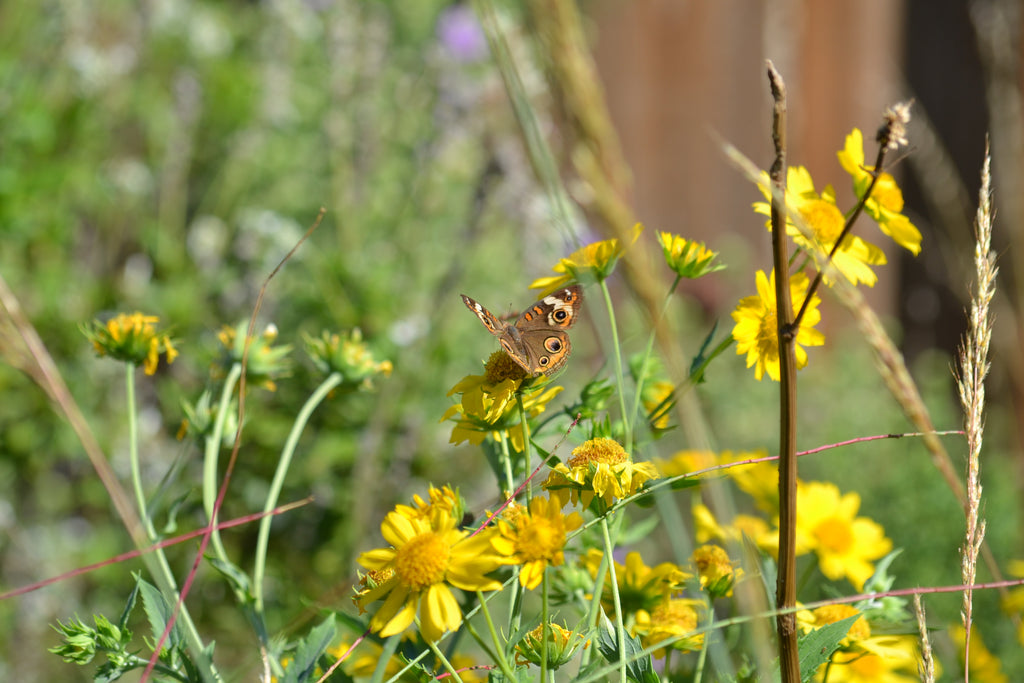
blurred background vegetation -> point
(163, 156)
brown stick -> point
(785, 595)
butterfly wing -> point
(557, 311)
(538, 341)
(490, 321)
(511, 342)
(546, 350)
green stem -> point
(211, 456)
(156, 561)
(642, 375)
(333, 380)
(133, 453)
(545, 626)
(525, 426)
(620, 630)
(444, 661)
(506, 464)
(140, 663)
(515, 614)
(627, 429)
(387, 650)
(499, 649)
(702, 658)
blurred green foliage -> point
(165, 156)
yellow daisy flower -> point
(537, 539)
(687, 258)
(687, 462)
(715, 569)
(707, 528)
(347, 355)
(601, 470)
(640, 587)
(265, 362)
(886, 202)
(882, 659)
(595, 261)
(561, 646)
(488, 406)
(809, 620)
(755, 331)
(445, 498)
(425, 558)
(672, 618)
(854, 256)
(132, 337)
(758, 480)
(845, 544)
(362, 661)
(862, 657)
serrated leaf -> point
(158, 612)
(816, 648)
(242, 588)
(122, 623)
(638, 667)
(309, 650)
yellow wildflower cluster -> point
(133, 338)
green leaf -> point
(171, 525)
(816, 648)
(701, 361)
(352, 623)
(633, 532)
(638, 667)
(236, 578)
(308, 652)
(122, 623)
(158, 612)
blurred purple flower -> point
(460, 34)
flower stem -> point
(332, 380)
(525, 426)
(444, 661)
(620, 631)
(545, 626)
(156, 562)
(642, 375)
(133, 452)
(499, 649)
(506, 464)
(211, 457)
(698, 672)
(627, 429)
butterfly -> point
(537, 341)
